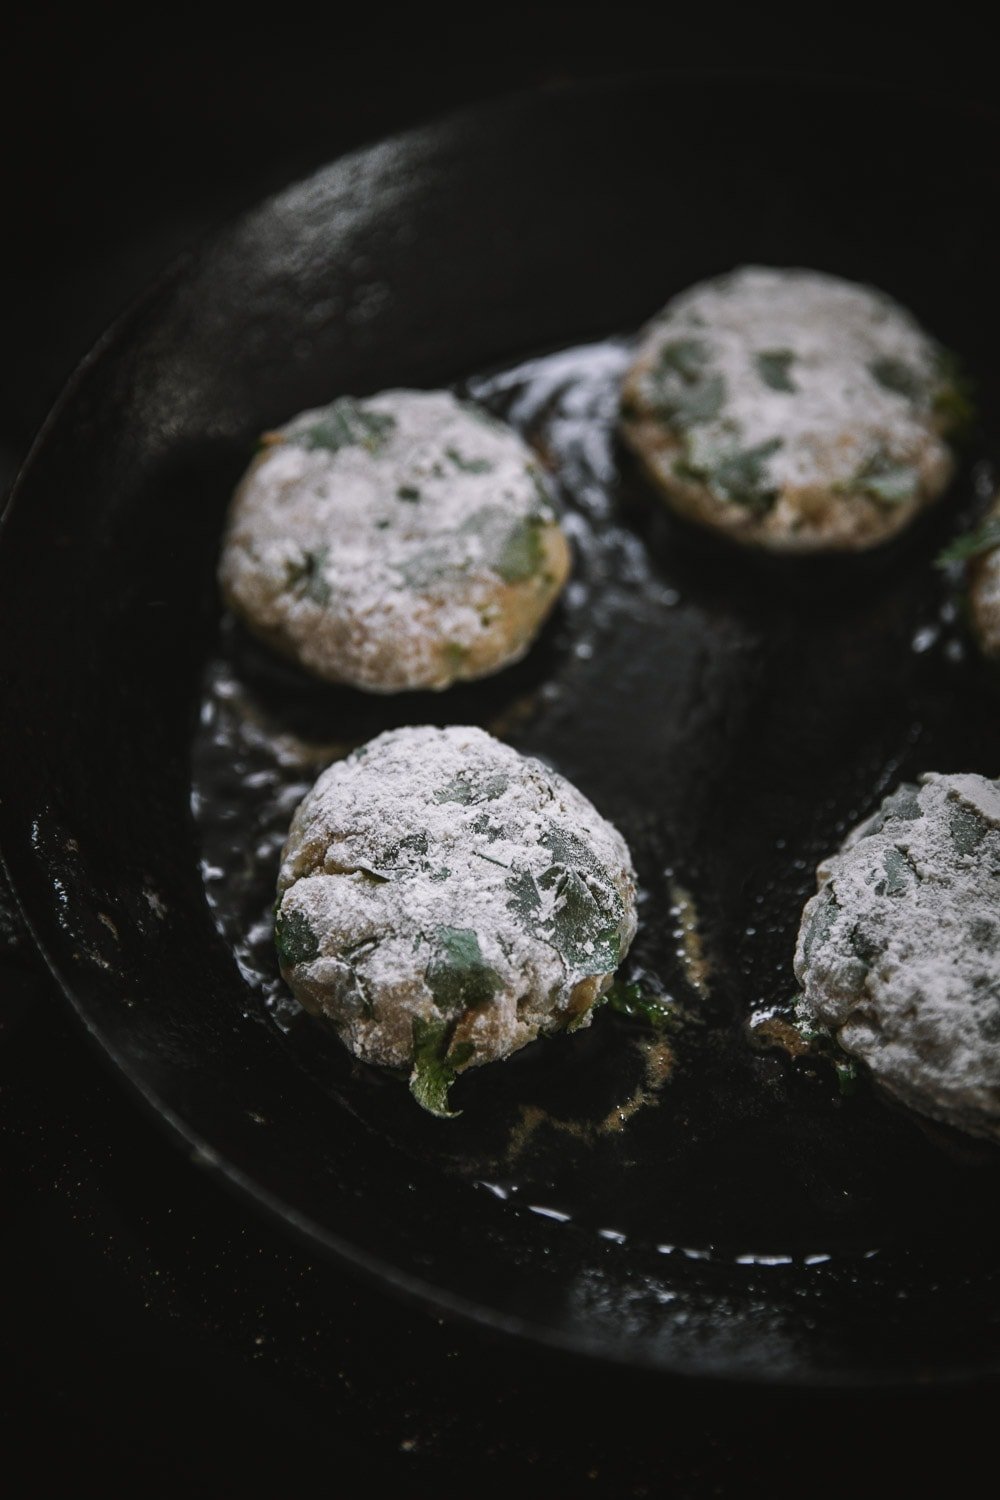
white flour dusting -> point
(436, 876)
(899, 951)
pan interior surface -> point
(691, 1200)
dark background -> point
(153, 1332)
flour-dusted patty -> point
(792, 410)
(403, 541)
(444, 901)
(899, 951)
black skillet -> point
(750, 1222)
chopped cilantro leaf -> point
(633, 1001)
(307, 577)
(521, 553)
(469, 465)
(886, 479)
(484, 789)
(967, 828)
(739, 475)
(435, 1067)
(773, 366)
(684, 389)
(343, 424)
(294, 939)
(973, 543)
(458, 976)
(893, 375)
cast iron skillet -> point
(733, 717)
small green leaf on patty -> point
(580, 926)
(307, 577)
(469, 465)
(435, 1067)
(343, 424)
(740, 476)
(412, 843)
(893, 375)
(521, 553)
(684, 357)
(743, 476)
(967, 828)
(973, 544)
(465, 790)
(525, 898)
(773, 366)
(294, 939)
(900, 874)
(887, 480)
(683, 387)
(458, 976)
(633, 1001)
(821, 922)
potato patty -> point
(405, 541)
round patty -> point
(444, 900)
(899, 952)
(792, 410)
(403, 541)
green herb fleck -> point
(294, 939)
(412, 843)
(459, 977)
(343, 424)
(684, 357)
(633, 1001)
(521, 553)
(973, 543)
(435, 1067)
(773, 366)
(469, 465)
(848, 1074)
(739, 476)
(900, 874)
(580, 925)
(684, 389)
(408, 492)
(525, 899)
(967, 828)
(893, 375)
(821, 923)
(307, 577)
(822, 1045)
(887, 480)
(484, 789)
